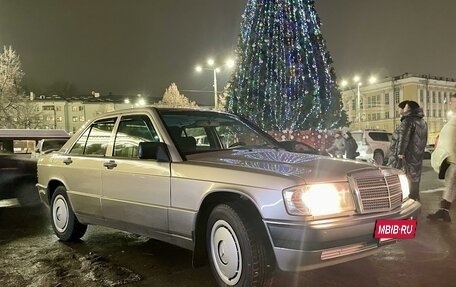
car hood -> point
(311, 168)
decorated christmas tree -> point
(284, 79)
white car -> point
(373, 145)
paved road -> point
(32, 256)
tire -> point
(378, 158)
(237, 249)
(64, 222)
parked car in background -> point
(236, 197)
(46, 146)
(17, 180)
(296, 146)
(428, 151)
(373, 145)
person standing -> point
(338, 147)
(392, 156)
(447, 142)
(350, 146)
(412, 139)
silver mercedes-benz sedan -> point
(216, 184)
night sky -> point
(142, 46)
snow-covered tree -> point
(16, 109)
(172, 98)
(221, 102)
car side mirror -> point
(154, 150)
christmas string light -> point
(283, 79)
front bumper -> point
(299, 247)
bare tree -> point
(16, 109)
(172, 98)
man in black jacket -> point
(411, 143)
(351, 146)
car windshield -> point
(198, 131)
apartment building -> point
(374, 106)
(70, 113)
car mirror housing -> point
(153, 150)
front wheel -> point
(237, 249)
(65, 224)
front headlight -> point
(404, 186)
(319, 199)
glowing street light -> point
(357, 81)
(141, 102)
(211, 67)
(372, 80)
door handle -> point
(110, 164)
(67, 161)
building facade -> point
(374, 106)
(70, 114)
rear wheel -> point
(237, 249)
(65, 224)
(378, 158)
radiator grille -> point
(379, 193)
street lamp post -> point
(357, 81)
(215, 88)
(229, 63)
(358, 104)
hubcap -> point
(226, 252)
(60, 213)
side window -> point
(383, 137)
(133, 130)
(95, 139)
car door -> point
(136, 193)
(81, 167)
